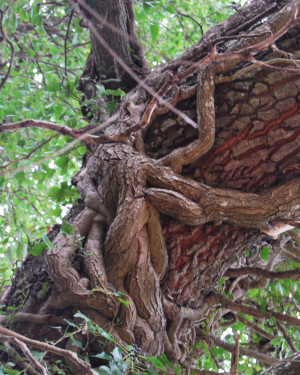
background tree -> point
(186, 182)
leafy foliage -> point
(168, 28)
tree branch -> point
(235, 272)
(50, 348)
(231, 348)
(65, 130)
(255, 312)
(26, 352)
(255, 327)
(235, 355)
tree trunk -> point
(163, 216)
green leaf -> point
(165, 360)
(76, 342)
(154, 29)
(2, 179)
(82, 316)
(264, 253)
(280, 288)
(39, 20)
(157, 363)
(62, 162)
(117, 354)
(67, 228)
(101, 90)
(20, 176)
(103, 355)
(108, 336)
(263, 306)
(71, 324)
(103, 370)
(116, 92)
(126, 303)
(47, 241)
(239, 326)
(23, 15)
(14, 22)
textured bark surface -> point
(164, 220)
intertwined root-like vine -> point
(127, 246)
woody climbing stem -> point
(132, 249)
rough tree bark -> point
(165, 217)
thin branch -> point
(27, 353)
(256, 328)
(231, 348)
(12, 54)
(66, 39)
(188, 16)
(248, 69)
(84, 366)
(19, 361)
(261, 64)
(30, 153)
(287, 337)
(235, 355)
(65, 130)
(235, 272)
(256, 312)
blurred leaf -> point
(47, 241)
(67, 228)
(38, 249)
(264, 253)
(154, 32)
